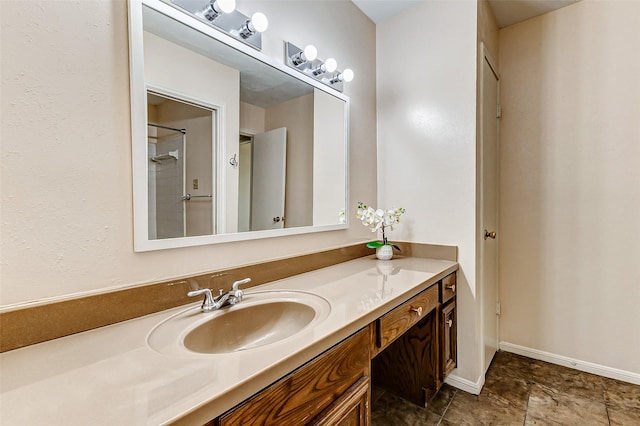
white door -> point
(268, 179)
(489, 210)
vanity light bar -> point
(326, 72)
(222, 15)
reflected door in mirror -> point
(269, 175)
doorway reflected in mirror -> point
(181, 182)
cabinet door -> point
(299, 397)
(351, 409)
(448, 339)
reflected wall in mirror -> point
(234, 145)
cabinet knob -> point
(451, 287)
(450, 323)
(417, 310)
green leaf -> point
(375, 244)
(396, 247)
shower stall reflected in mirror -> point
(167, 218)
(180, 178)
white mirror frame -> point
(139, 133)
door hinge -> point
(497, 308)
(498, 111)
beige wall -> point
(426, 141)
(65, 160)
(165, 65)
(488, 32)
(251, 118)
(327, 158)
(570, 183)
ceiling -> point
(507, 12)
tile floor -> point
(520, 391)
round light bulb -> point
(347, 75)
(310, 52)
(227, 6)
(330, 65)
(259, 21)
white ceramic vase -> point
(384, 252)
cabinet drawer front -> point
(302, 395)
(402, 318)
(449, 285)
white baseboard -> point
(600, 370)
(463, 384)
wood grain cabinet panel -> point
(300, 396)
(421, 354)
(409, 366)
(448, 339)
(351, 409)
(399, 320)
(449, 284)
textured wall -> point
(427, 140)
(570, 183)
(66, 197)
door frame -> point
(486, 56)
(218, 152)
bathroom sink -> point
(262, 318)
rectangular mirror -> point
(228, 144)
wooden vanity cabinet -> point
(408, 351)
(415, 363)
(408, 365)
(331, 389)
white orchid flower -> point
(379, 219)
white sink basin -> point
(262, 318)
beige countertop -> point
(111, 376)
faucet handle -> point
(208, 303)
(236, 292)
(236, 284)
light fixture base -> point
(291, 50)
(229, 23)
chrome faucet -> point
(211, 303)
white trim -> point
(480, 220)
(589, 367)
(464, 384)
(138, 126)
(138, 130)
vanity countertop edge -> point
(110, 375)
